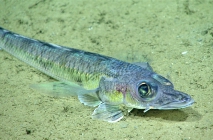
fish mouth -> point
(172, 105)
(177, 105)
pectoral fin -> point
(61, 89)
(108, 112)
(89, 99)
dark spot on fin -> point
(108, 112)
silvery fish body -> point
(114, 86)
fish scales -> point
(62, 63)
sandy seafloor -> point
(175, 36)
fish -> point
(113, 86)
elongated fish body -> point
(115, 86)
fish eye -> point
(144, 90)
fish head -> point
(157, 92)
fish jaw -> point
(174, 100)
